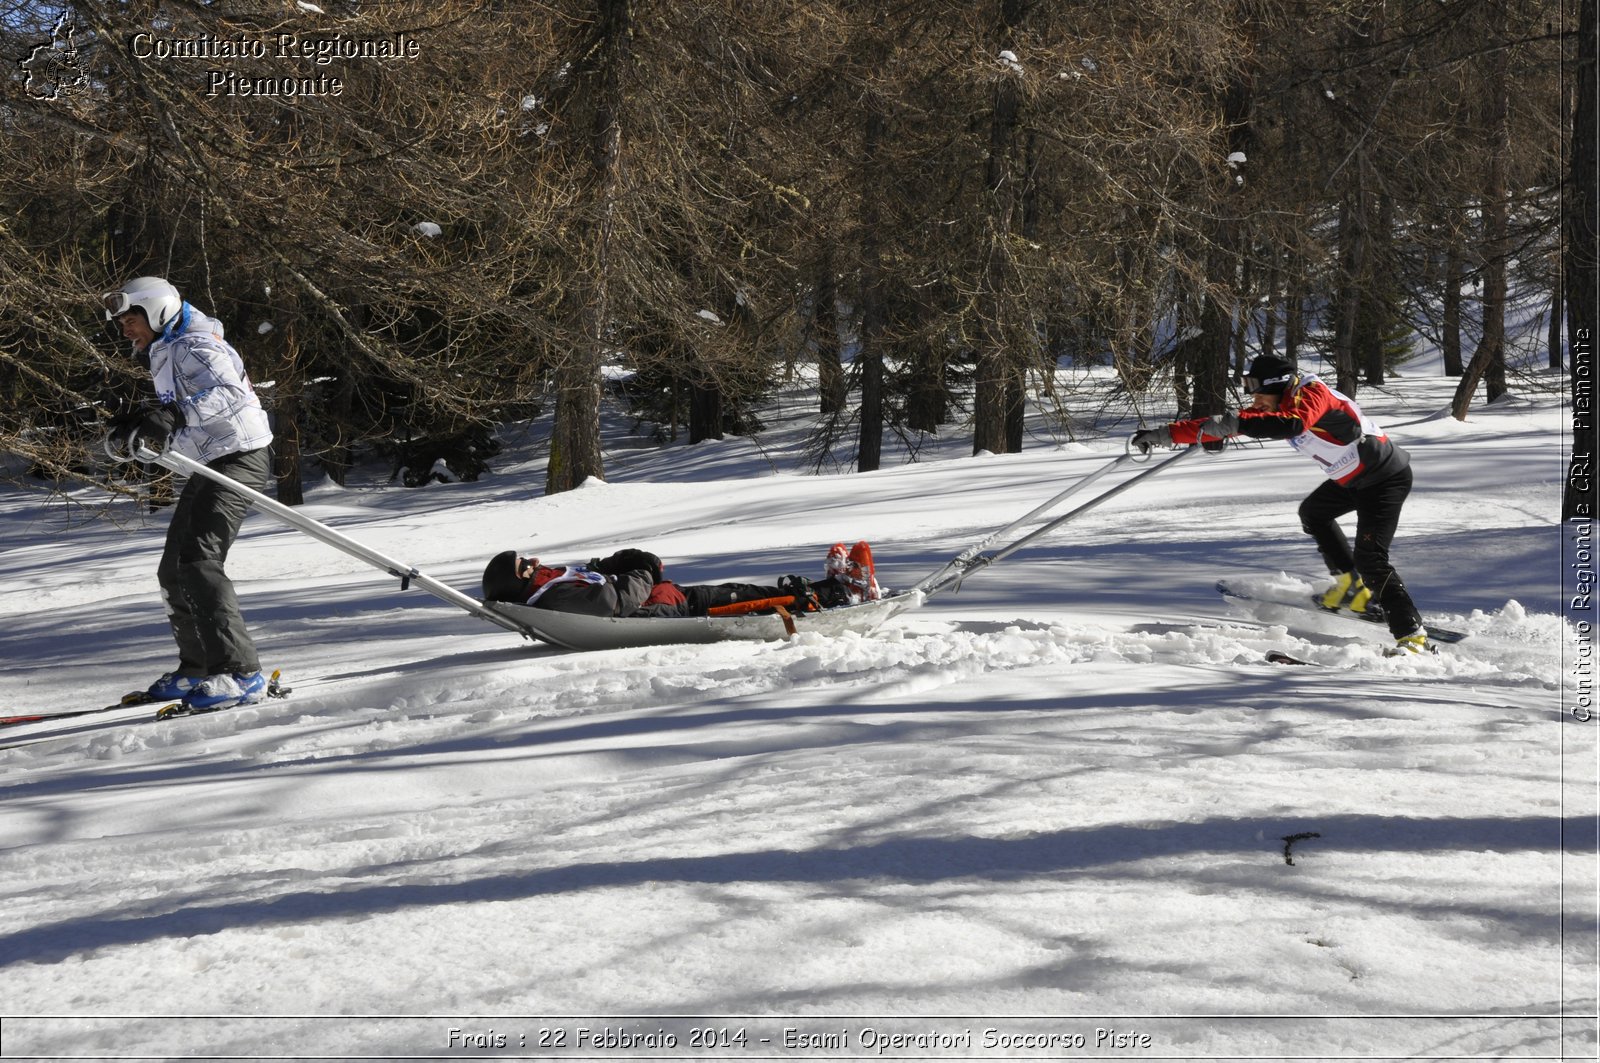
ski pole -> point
(1044, 529)
(961, 561)
(406, 574)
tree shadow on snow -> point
(921, 861)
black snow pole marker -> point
(1289, 840)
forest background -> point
(515, 209)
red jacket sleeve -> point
(1306, 408)
(1186, 432)
(665, 593)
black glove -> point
(1147, 439)
(159, 424)
(629, 560)
(802, 590)
(122, 425)
(156, 424)
(831, 593)
(798, 586)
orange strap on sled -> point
(777, 605)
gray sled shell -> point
(575, 631)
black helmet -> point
(1268, 374)
(501, 583)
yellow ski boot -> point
(1414, 643)
(1346, 591)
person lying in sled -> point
(631, 583)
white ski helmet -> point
(158, 299)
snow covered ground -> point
(1043, 817)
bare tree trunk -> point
(1212, 350)
(1374, 323)
(989, 398)
(677, 401)
(929, 394)
(575, 435)
(825, 328)
(869, 447)
(1294, 319)
(1269, 316)
(705, 409)
(1183, 358)
(337, 459)
(575, 438)
(1016, 410)
(869, 359)
(1353, 259)
(1553, 334)
(1454, 275)
(1225, 289)
(1357, 216)
(1242, 318)
(1488, 361)
(997, 390)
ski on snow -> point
(1279, 657)
(1309, 604)
(137, 697)
(275, 689)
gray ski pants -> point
(201, 604)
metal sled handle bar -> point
(959, 563)
(1044, 529)
(405, 573)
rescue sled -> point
(575, 631)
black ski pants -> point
(201, 604)
(703, 598)
(1377, 509)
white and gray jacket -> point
(196, 369)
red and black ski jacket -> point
(575, 589)
(1323, 424)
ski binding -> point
(275, 689)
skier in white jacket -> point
(209, 412)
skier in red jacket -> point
(1366, 474)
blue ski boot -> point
(172, 686)
(225, 691)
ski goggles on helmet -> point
(116, 304)
(1273, 385)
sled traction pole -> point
(405, 573)
(955, 567)
(972, 558)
